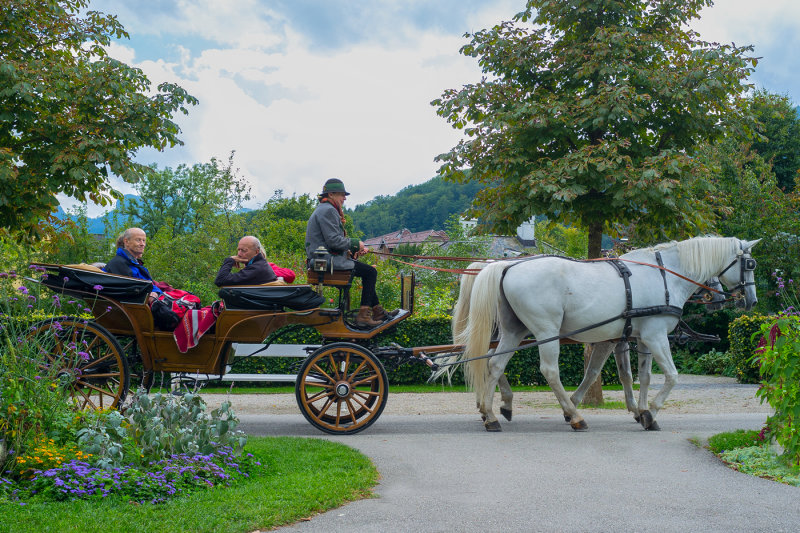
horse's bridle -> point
(746, 264)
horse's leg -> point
(496, 369)
(511, 332)
(598, 358)
(663, 356)
(645, 371)
(623, 360)
(507, 395)
(548, 365)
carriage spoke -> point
(321, 371)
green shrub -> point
(713, 362)
(780, 370)
(740, 438)
(743, 346)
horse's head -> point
(738, 276)
(714, 298)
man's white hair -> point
(258, 244)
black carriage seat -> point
(270, 297)
(84, 281)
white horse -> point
(714, 298)
(552, 298)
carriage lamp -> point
(320, 261)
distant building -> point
(389, 242)
(523, 243)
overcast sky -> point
(306, 90)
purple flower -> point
(3, 275)
(66, 279)
(23, 289)
(98, 288)
(57, 326)
(12, 274)
(108, 309)
(84, 356)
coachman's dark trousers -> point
(369, 277)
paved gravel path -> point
(692, 394)
(441, 472)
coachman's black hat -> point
(334, 185)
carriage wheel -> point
(341, 388)
(87, 357)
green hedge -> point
(743, 345)
(522, 369)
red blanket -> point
(192, 326)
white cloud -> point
(297, 113)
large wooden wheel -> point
(341, 388)
(87, 358)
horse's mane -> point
(700, 256)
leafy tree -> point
(73, 243)
(280, 224)
(566, 240)
(780, 128)
(187, 198)
(750, 204)
(589, 112)
(70, 115)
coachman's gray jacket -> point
(325, 229)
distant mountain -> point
(96, 225)
(416, 207)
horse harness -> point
(746, 264)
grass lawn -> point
(302, 477)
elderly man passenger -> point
(128, 260)
(249, 257)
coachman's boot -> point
(364, 318)
(379, 313)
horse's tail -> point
(461, 309)
(477, 335)
(460, 317)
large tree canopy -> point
(589, 112)
(779, 125)
(70, 115)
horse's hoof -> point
(483, 418)
(567, 418)
(581, 425)
(653, 427)
(506, 413)
(647, 421)
(493, 426)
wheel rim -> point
(87, 358)
(342, 389)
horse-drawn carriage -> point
(341, 385)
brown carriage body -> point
(342, 385)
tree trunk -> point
(594, 396)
